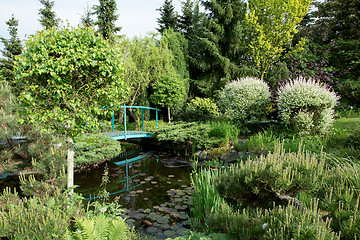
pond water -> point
(153, 187)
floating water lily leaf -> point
(169, 182)
(142, 182)
(163, 220)
(183, 231)
(186, 223)
(140, 191)
(154, 182)
(129, 220)
(183, 186)
(136, 180)
(139, 216)
(145, 199)
(179, 180)
(171, 176)
(170, 233)
(174, 227)
(178, 199)
(152, 230)
(147, 210)
(165, 226)
(142, 174)
(135, 171)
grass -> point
(347, 123)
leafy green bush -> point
(94, 148)
(245, 100)
(201, 109)
(307, 106)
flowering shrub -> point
(245, 100)
(306, 105)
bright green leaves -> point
(66, 76)
(273, 25)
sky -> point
(136, 17)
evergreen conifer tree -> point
(168, 17)
(12, 48)
(86, 19)
(47, 15)
(186, 19)
(106, 18)
(221, 46)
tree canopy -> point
(47, 15)
(106, 18)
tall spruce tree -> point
(222, 46)
(12, 48)
(106, 18)
(47, 15)
(168, 17)
(186, 19)
(86, 19)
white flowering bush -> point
(307, 105)
(245, 100)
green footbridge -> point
(124, 135)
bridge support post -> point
(143, 124)
(112, 121)
(125, 121)
(156, 117)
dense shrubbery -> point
(245, 100)
(196, 136)
(280, 196)
(201, 109)
(307, 106)
(95, 148)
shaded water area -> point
(153, 186)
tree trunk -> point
(70, 165)
(135, 119)
(169, 114)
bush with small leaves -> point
(245, 100)
(306, 105)
(201, 109)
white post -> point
(70, 164)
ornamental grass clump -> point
(245, 100)
(307, 106)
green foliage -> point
(206, 199)
(201, 109)
(12, 48)
(66, 77)
(219, 45)
(202, 236)
(106, 18)
(47, 16)
(167, 90)
(277, 177)
(273, 25)
(245, 101)
(38, 217)
(307, 106)
(188, 136)
(224, 130)
(168, 17)
(100, 227)
(93, 149)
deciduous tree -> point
(273, 25)
(66, 77)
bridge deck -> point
(129, 134)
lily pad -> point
(129, 220)
(183, 231)
(145, 199)
(179, 180)
(165, 226)
(136, 180)
(139, 216)
(174, 227)
(142, 174)
(147, 210)
(152, 230)
(162, 220)
(140, 191)
(171, 176)
(170, 233)
(153, 182)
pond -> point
(153, 187)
